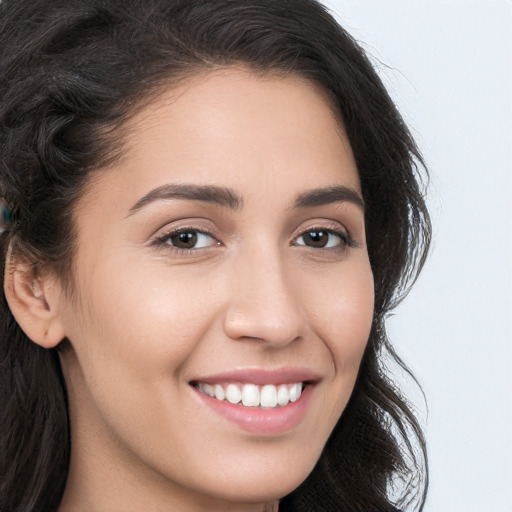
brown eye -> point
(322, 239)
(184, 240)
(316, 238)
(188, 239)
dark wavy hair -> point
(71, 73)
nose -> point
(264, 303)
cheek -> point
(343, 312)
(351, 323)
(138, 325)
(133, 334)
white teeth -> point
(295, 392)
(283, 396)
(219, 392)
(250, 395)
(208, 389)
(268, 396)
(233, 394)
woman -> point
(211, 207)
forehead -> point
(236, 127)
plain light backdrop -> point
(448, 66)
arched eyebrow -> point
(328, 195)
(228, 198)
(221, 196)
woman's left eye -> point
(188, 239)
(322, 239)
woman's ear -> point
(35, 301)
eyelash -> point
(163, 240)
(345, 239)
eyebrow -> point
(228, 198)
(328, 195)
(207, 193)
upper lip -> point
(261, 376)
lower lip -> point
(264, 422)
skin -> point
(147, 317)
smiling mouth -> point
(268, 396)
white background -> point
(448, 65)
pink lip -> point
(261, 377)
(263, 422)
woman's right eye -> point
(188, 239)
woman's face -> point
(222, 259)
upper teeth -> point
(252, 395)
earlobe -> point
(35, 301)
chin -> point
(270, 481)
(257, 490)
